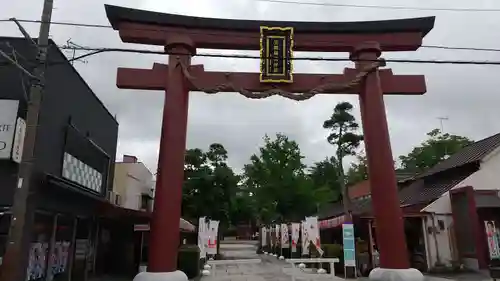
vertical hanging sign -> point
(276, 54)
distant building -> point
(133, 187)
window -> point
(144, 202)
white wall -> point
(138, 180)
(486, 178)
(442, 237)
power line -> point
(102, 50)
(95, 51)
(88, 25)
(379, 6)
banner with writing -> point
(295, 236)
(285, 240)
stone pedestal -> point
(161, 276)
(389, 274)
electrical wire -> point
(326, 4)
(190, 32)
(95, 51)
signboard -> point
(141, 227)
(18, 146)
(8, 116)
(349, 244)
(276, 53)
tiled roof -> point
(358, 206)
(422, 190)
(471, 153)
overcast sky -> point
(468, 95)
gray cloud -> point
(465, 94)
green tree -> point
(243, 207)
(343, 135)
(437, 147)
(358, 170)
(324, 174)
(276, 178)
(209, 184)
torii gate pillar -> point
(382, 177)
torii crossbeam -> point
(182, 35)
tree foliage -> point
(209, 184)
(276, 177)
(436, 148)
(344, 137)
(324, 175)
(358, 170)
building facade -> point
(73, 167)
(133, 186)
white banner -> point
(295, 236)
(8, 118)
(305, 238)
(285, 241)
(202, 233)
(18, 145)
(264, 236)
(212, 237)
(313, 232)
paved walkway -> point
(271, 269)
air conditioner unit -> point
(118, 200)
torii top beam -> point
(153, 28)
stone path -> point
(271, 269)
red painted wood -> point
(238, 40)
(170, 177)
(388, 215)
(165, 222)
(157, 78)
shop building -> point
(450, 212)
(73, 169)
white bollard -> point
(205, 272)
(207, 266)
(281, 257)
(302, 265)
(321, 271)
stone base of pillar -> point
(161, 276)
(389, 274)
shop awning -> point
(107, 209)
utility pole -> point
(12, 264)
(441, 119)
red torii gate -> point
(183, 35)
